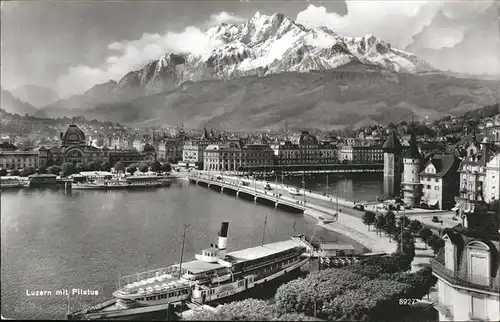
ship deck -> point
(198, 266)
(261, 251)
(151, 285)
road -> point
(316, 201)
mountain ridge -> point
(262, 45)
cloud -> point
(225, 17)
(434, 25)
(393, 21)
(129, 55)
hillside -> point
(35, 95)
(354, 94)
(12, 104)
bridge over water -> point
(256, 195)
(317, 168)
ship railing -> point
(171, 270)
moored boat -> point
(213, 276)
(11, 182)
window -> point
(478, 307)
(436, 188)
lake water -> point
(55, 241)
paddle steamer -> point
(214, 275)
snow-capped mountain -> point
(263, 45)
(267, 45)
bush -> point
(155, 166)
(15, 172)
(301, 295)
(41, 170)
(248, 310)
(3, 172)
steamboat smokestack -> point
(223, 238)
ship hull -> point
(257, 285)
(143, 313)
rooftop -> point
(262, 251)
(198, 266)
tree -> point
(119, 166)
(3, 172)
(54, 169)
(380, 222)
(105, 166)
(166, 167)
(67, 169)
(425, 233)
(15, 172)
(248, 310)
(50, 162)
(80, 167)
(369, 218)
(436, 243)
(390, 223)
(155, 166)
(415, 226)
(131, 169)
(94, 165)
(143, 167)
(27, 171)
(41, 170)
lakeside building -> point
(170, 149)
(193, 150)
(393, 165)
(75, 150)
(306, 150)
(18, 159)
(440, 181)
(361, 154)
(412, 162)
(234, 154)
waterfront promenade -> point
(348, 225)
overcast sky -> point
(69, 46)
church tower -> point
(412, 163)
(392, 165)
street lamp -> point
(304, 186)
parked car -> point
(359, 207)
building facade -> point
(306, 150)
(440, 181)
(18, 159)
(234, 154)
(412, 162)
(479, 181)
(361, 154)
(393, 165)
(468, 273)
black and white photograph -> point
(251, 160)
